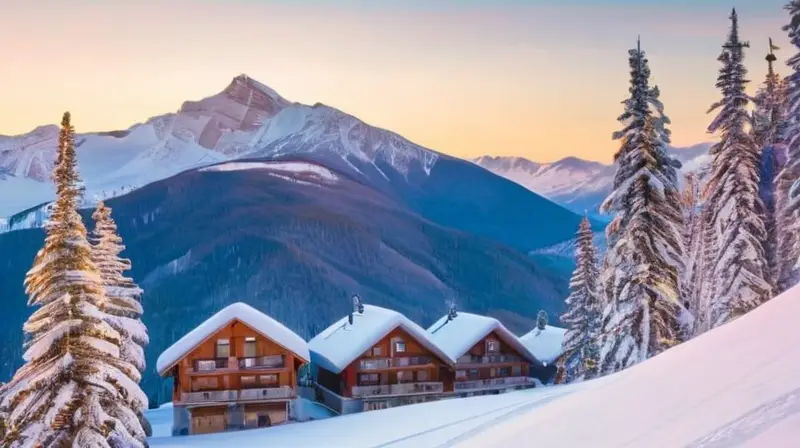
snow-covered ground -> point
(737, 385)
(440, 423)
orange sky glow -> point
(539, 80)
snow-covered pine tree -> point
(73, 390)
(768, 130)
(643, 314)
(541, 320)
(123, 308)
(735, 210)
(584, 310)
(787, 188)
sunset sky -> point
(540, 79)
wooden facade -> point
(396, 366)
(236, 378)
(490, 364)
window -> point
(422, 376)
(492, 346)
(223, 348)
(474, 374)
(504, 371)
(368, 379)
(516, 371)
(268, 380)
(249, 347)
(461, 374)
(399, 346)
(492, 372)
(376, 351)
(248, 381)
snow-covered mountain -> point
(577, 184)
(247, 118)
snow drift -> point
(738, 385)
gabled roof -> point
(545, 344)
(258, 321)
(341, 343)
(456, 337)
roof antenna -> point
(358, 305)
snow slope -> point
(737, 385)
(577, 184)
(246, 118)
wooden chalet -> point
(236, 370)
(489, 358)
(376, 358)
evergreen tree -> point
(735, 210)
(584, 310)
(541, 320)
(640, 275)
(787, 188)
(73, 390)
(123, 308)
(768, 130)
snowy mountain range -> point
(246, 119)
(244, 196)
(577, 184)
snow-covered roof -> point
(341, 343)
(457, 336)
(258, 321)
(545, 344)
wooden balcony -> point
(232, 364)
(398, 389)
(493, 383)
(233, 396)
(394, 363)
(489, 359)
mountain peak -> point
(244, 85)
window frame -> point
(222, 343)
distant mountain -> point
(577, 184)
(295, 238)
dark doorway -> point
(264, 421)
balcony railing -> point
(488, 359)
(262, 362)
(269, 393)
(398, 389)
(386, 363)
(222, 396)
(209, 365)
(493, 383)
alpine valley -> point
(246, 196)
